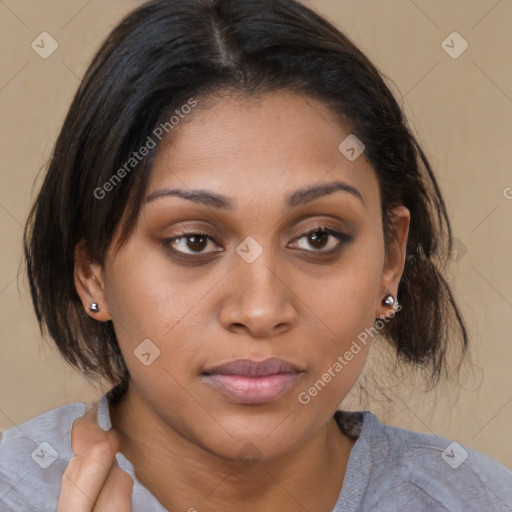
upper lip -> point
(251, 368)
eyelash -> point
(341, 237)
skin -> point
(291, 302)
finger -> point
(116, 494)
(85, 432)
(84, 478)
(88, 471)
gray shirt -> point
(389, 470)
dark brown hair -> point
(152, 63)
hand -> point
(93, 481)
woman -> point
(234, 209)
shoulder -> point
(444, 474)
(33, 457)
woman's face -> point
(248, 282)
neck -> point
(310, 477)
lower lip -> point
(253, 390)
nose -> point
(259, 299)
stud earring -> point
(388, 300)
(94, 308)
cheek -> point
(346, 297)
(150, 301)
(143, 293)
(342, 312)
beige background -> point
(461, 108)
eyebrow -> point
(298, 198)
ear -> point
(89, 283)
(394, 261)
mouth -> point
(249, 382)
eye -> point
(321, 238)
(190, 243)
(318, 238)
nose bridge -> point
(260, 277)
(259, 298)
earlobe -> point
(394, 261)
(89, 284)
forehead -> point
(254, 148)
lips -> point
(245, 381)
(249, 368)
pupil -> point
(317, 238)
(200, 240)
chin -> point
(249, 449)
(248, 439)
